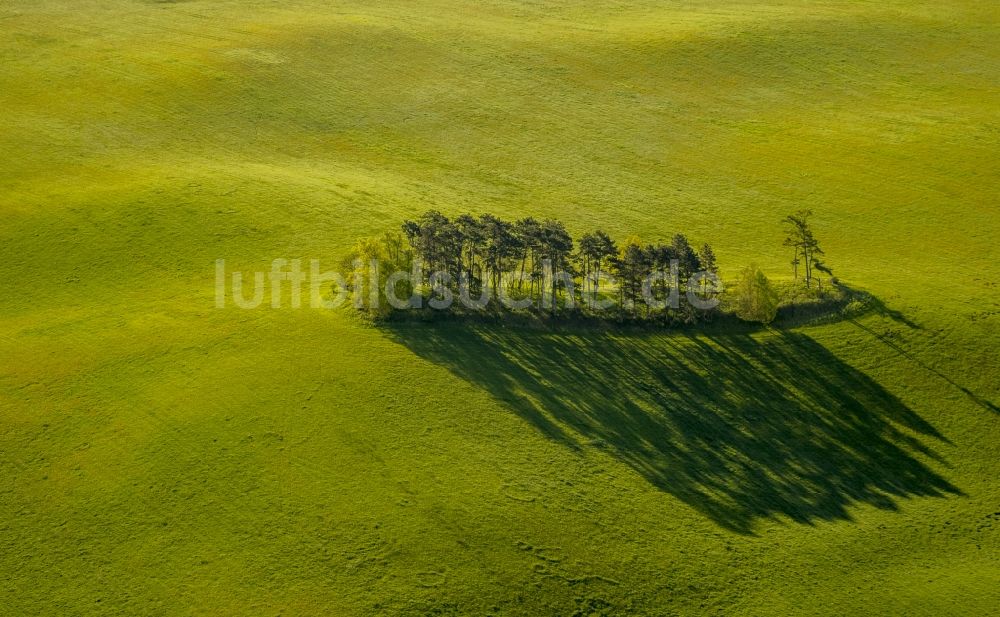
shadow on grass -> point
(888, 342)
(740, 428)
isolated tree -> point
(755, 298)
(800, 238)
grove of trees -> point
(538, 265)
(533, 263)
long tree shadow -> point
(738, 427)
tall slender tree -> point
(708, 263)
(499, 245)
(687, 259)
(596, 250)
(434, 239)
(586, 256)
(802, 242)
(528, 232)
(556, 246)
(630, 270)
(473, 241)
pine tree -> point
(800, 238)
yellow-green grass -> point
(161, 456)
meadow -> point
(160, 456)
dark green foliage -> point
(536, 261)
(630, 269)
(804, 245)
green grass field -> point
(163, 457)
